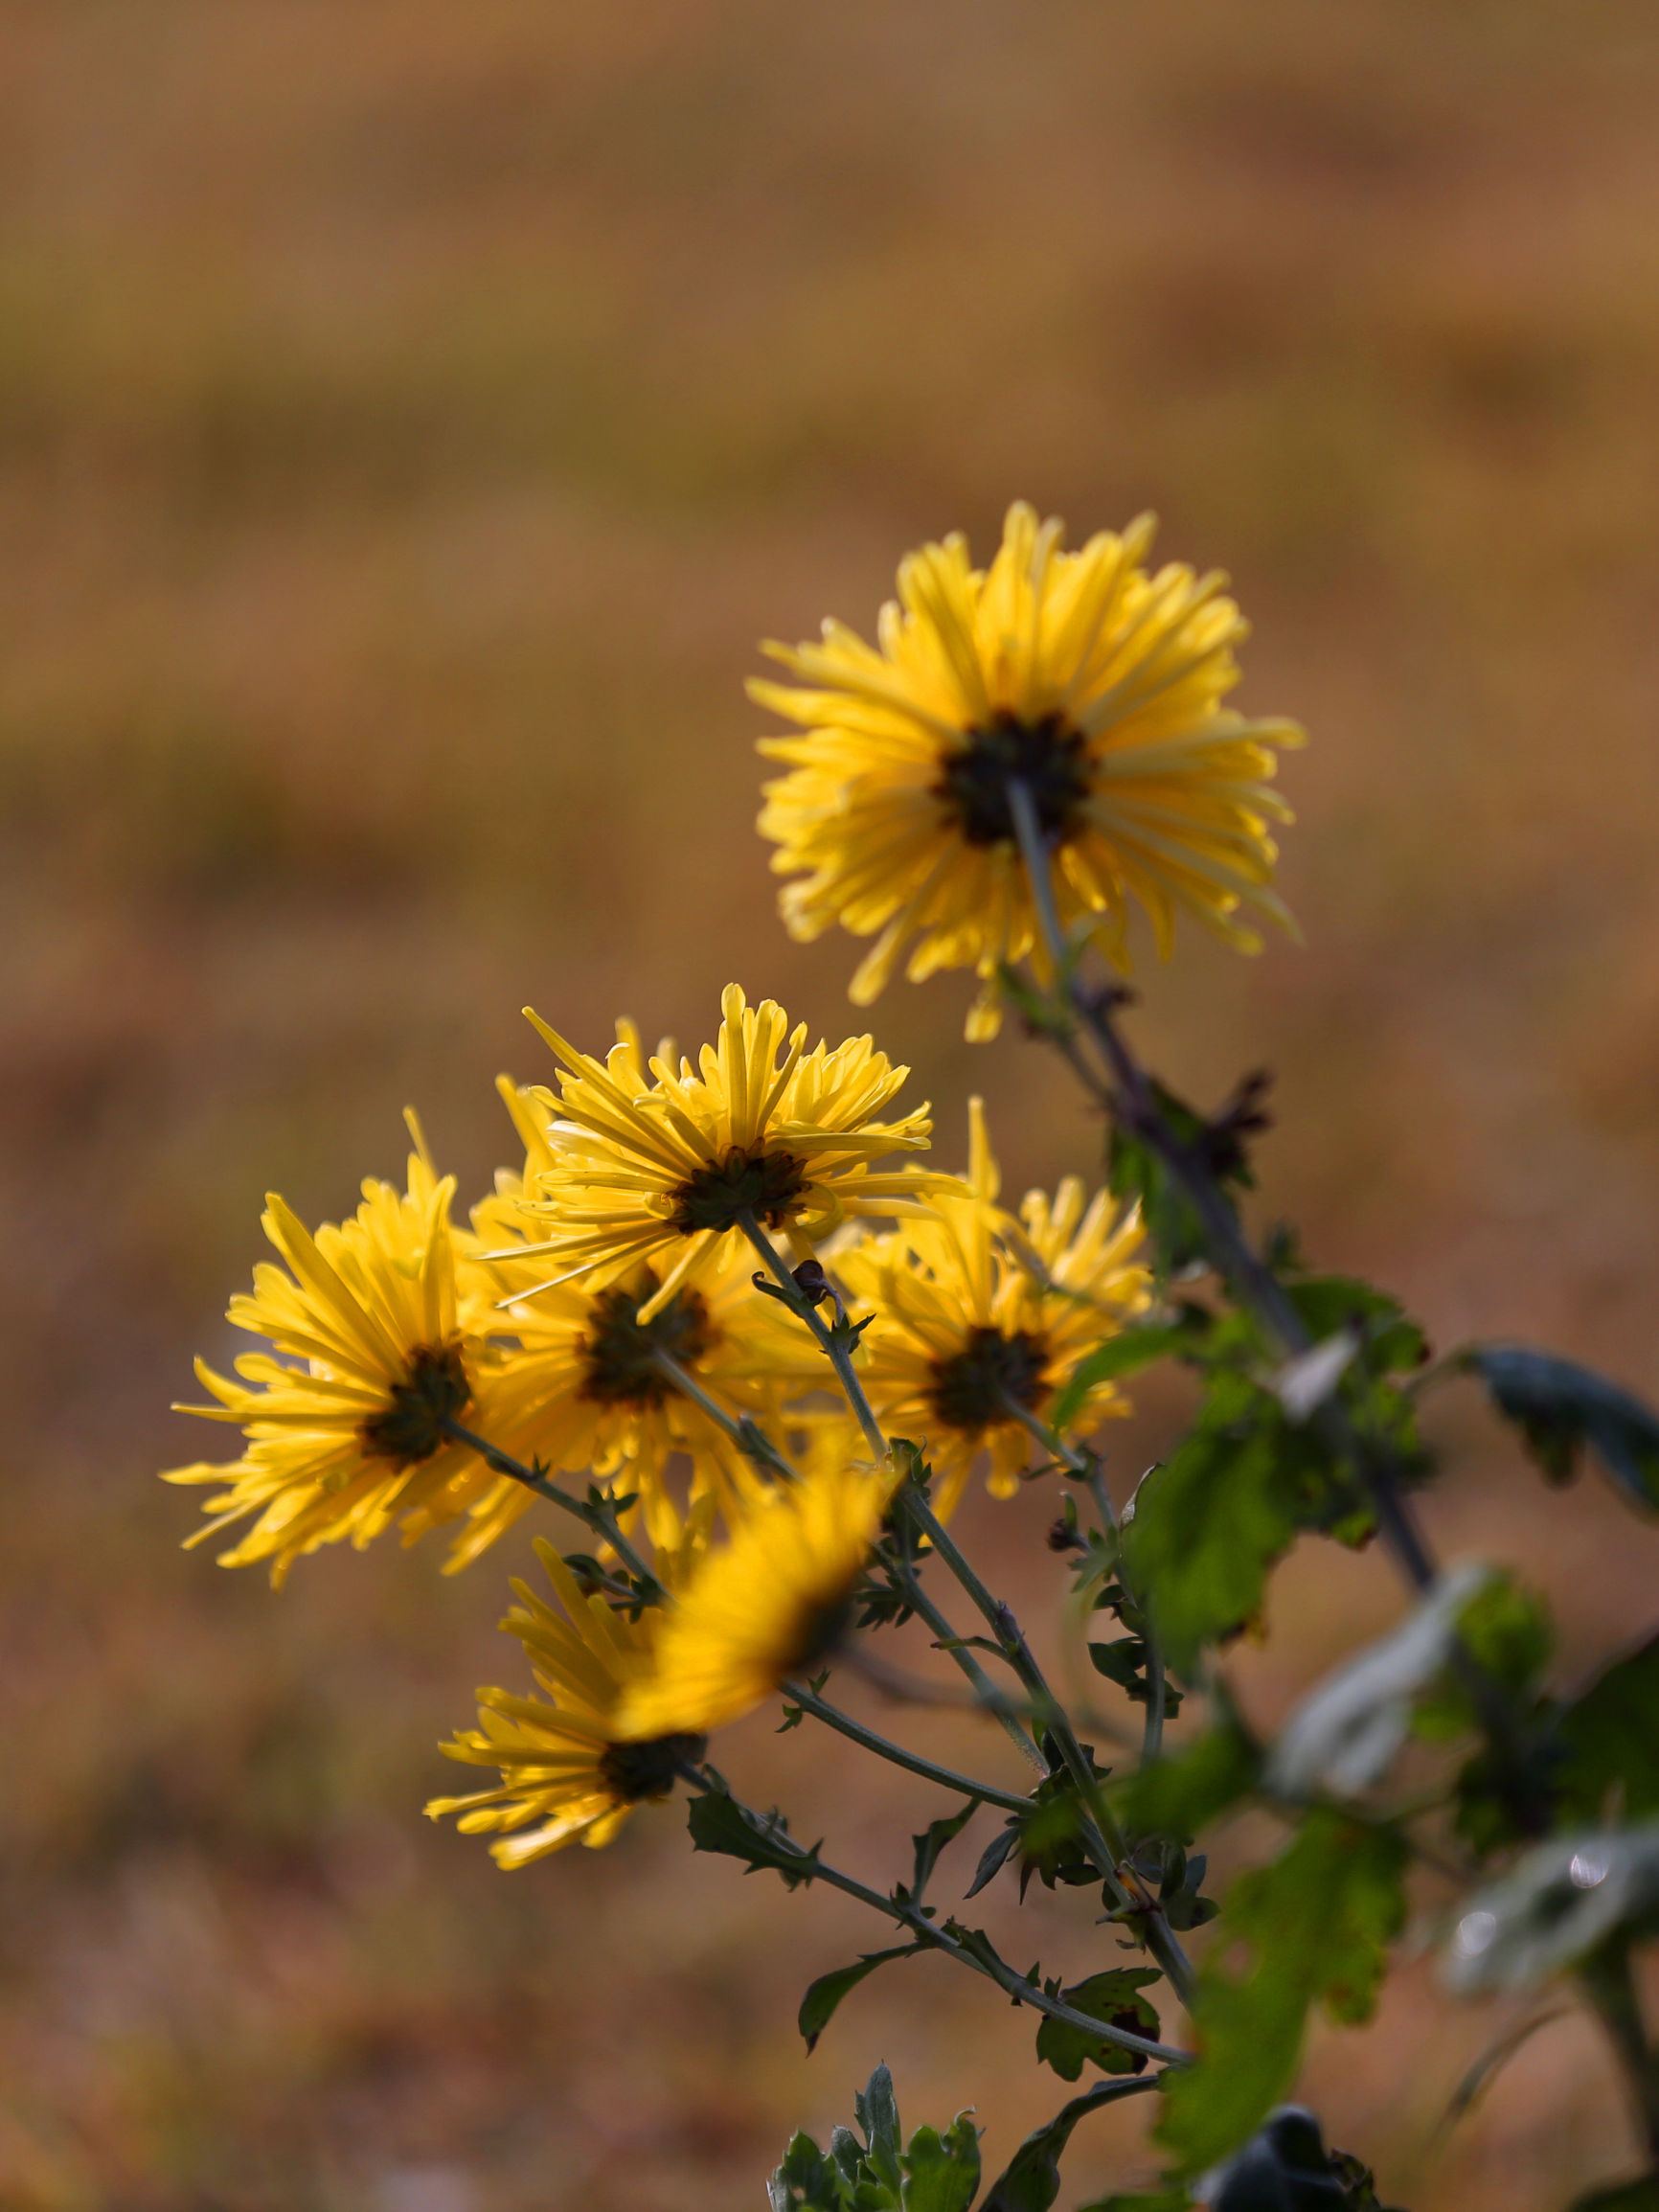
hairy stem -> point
(912, 1762)
(750, 1439)
(1015, 1985)
(1127, 1094)
(834, 1347)
(599, 1519)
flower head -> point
(978, 1314)
(1096, 685)
(583, 1388)
(347, 1423)
(563, 1765)
(658, 1173)
(772, 1603)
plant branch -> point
(836, 1344)
(1611, 1988)
(601, 1520)
(912, 1762)
(750, 1439)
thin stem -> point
(1153, 1738)
(1048, 1438)
(856, 1732)
(1611, 1988)
(1023, 1991)
(985, 1692)
(1102, 1496)
(1127, 1094)
(1032, 845)
(835, 1347)
(598, 1518)
(1102, 1837)
(749, 1438)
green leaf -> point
(718, 1823)
(818, 2007)
(808, 2182)
(1318, 1922)
(1640, 2196)
(1389, 1343)
(1032, 2179)
(1560, 1407)
(877, 2109)
(1175, 1798)
(1507, 1631)
(942, 2172)
(932, 1841)
(1114, 1997)
(1124, 1354)
(1208, 1526)
(1611, 1740)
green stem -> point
(837, 1349)
(598, 1518)
(912, 1762)
(985, 1690)
(750, 1439)
(1101, 1836)
(1006, 1978)
(1039, 1430)
(1611, 1988)
(1102, 1496)
(1128, 1095)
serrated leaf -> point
(1124, 1353)
(1113, 1997)
(1032, 2181)
(719, 1823)
(1317, 1923)
(1610, 1738)
(1561, 1408)
(942, 2172)
(807, 2180)
(1211, 1520)
(818, 2007)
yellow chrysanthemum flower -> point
(562, 1764)
(580, 1390)
(972, 1309)
(659, 1172)
(339, 1445)
(772, 1603)
(1098, 685)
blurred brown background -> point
(410, 416)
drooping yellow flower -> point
(972, 1309)
(580, 1390)
(356, 1434)
(660, 1173)
(772, 1603)
(562, 1764)
(1098, 685)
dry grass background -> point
(409, 417)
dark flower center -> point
(820, 1631)
(969, 1389)
(635, 1770)
(1046, 756)
(410, 1427)
(619, 1351)
(764, 1184)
